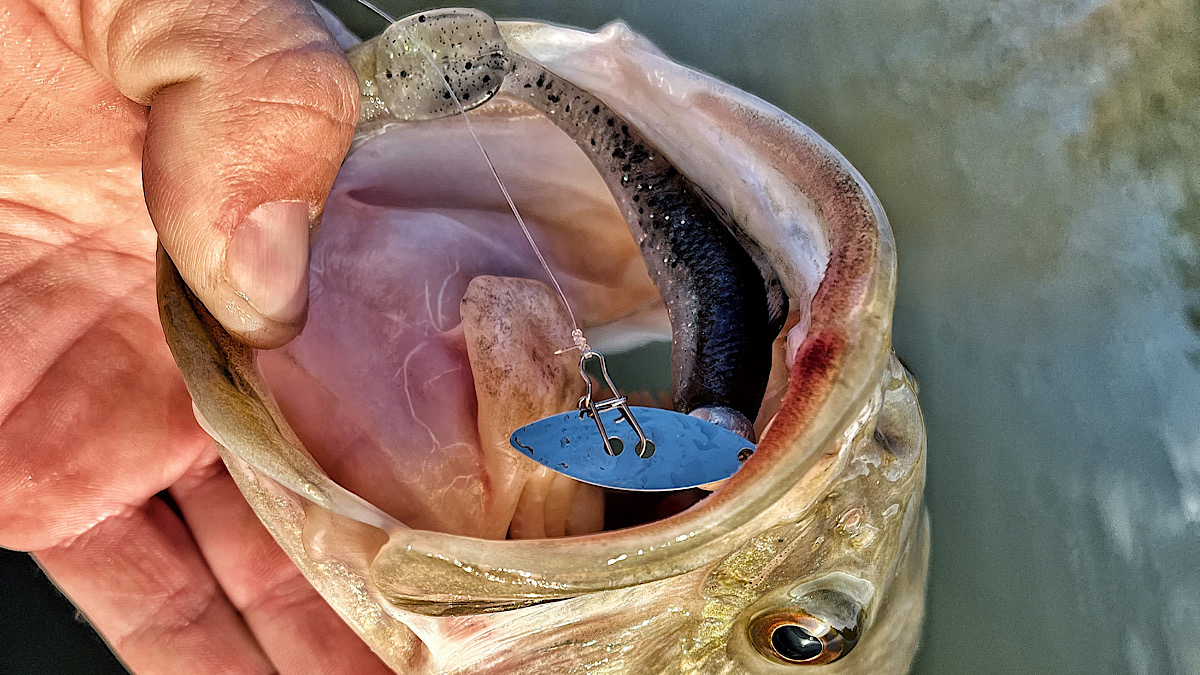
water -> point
(1040, 163)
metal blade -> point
(689, 452)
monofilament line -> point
(386, 17)
(492, 167)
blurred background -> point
(1040, 164)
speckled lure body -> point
(725, 307)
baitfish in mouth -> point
(375, 446)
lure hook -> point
(589, 407)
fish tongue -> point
(512, 329)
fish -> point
(374, 447)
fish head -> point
(375, 446)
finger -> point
(142, 583)
(252, 107)
(297, 629)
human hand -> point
(214, 109)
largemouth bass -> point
(374, 447)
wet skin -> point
(96, 149)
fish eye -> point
(819, 628)
(794, 643)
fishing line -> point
(695, 452)
(577, 333)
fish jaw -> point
(437, 602)
(864, 537)
(858, 526)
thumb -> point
(252, 107)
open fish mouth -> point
(375, 446)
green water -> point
(1040, 163)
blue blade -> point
(689, 452)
